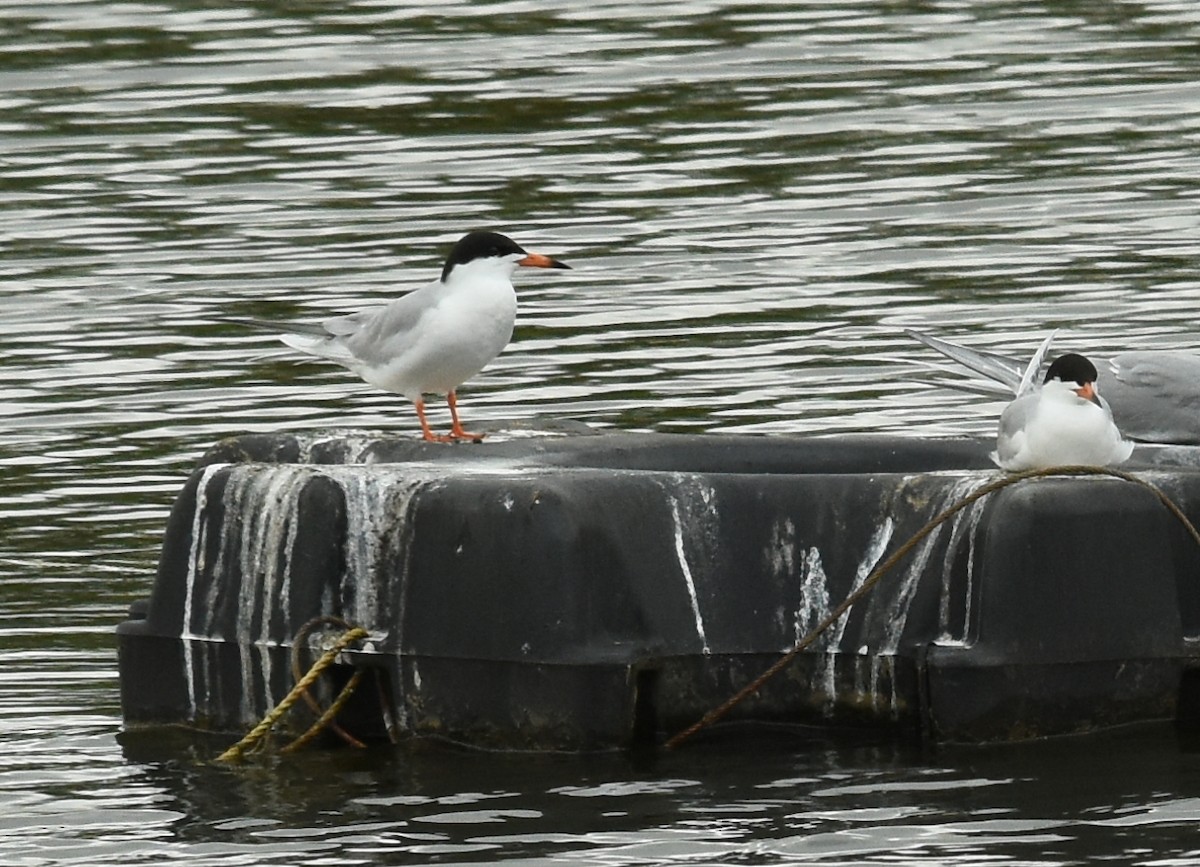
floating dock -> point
(567, 589)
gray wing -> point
(368, 337)
(343, 326)
(384, 333)
(1154, 395)
(1010, 434)
(998, 368)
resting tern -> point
(432, 339)
(1154, 394)
(1065, 421)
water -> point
(756, 198)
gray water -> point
(756, 198)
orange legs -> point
(425, 429)
(456, 428)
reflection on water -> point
(772, 799)
(757, 197)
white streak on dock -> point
(780, 562)
(261, 507)
(267, 501)
(962, 527)
(197, 562)
(686, 570)
(367, 507)
(196, 565)
(377, 504)
(694, 520)
(876, 547)
(884, 659)
(920, 561)
(814, 596)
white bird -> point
(1065, 421)
(1154, 394)
(432, 339)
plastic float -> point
(566, 589)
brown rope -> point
(882, 569)
(260, 731)
(326, 720)
(298, 643)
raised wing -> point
(1029, 379)
(998, 368)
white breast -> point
(1056, 427)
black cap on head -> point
(1072, 367)
(479, 245)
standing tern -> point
(1065, 421)
(1154, 394)
(432, 339)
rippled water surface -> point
(756, 199)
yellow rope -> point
(238, 750)
(869, 583)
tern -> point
(434, 338)
(1154, 394)
(1065, 421)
